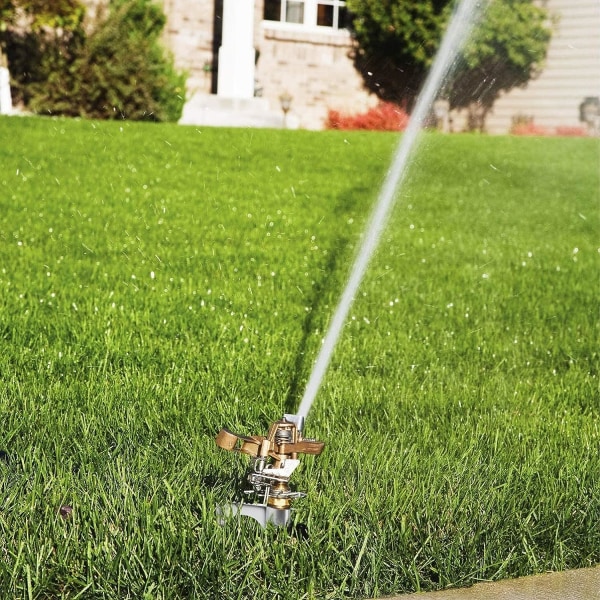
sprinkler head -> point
(274, 459)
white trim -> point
(300, 28)
(310, 13)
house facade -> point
(302, 50)
(244, 56)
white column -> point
(236, 54)
(5, 98)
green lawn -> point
(158, 283)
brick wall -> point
(191, 27)
(315, 67)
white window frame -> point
(310, 16)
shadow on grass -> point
(331, 276)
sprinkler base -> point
(280, 517)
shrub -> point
(567, 131)
(528, 129)
(386, 116)
(38, 37)
(119, 71)
(532, 129)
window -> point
(310, 13)
(294, 12)
(332, 14)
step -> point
(216, 111)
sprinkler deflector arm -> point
(275, 458)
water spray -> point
(275, 457)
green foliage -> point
(398, 39)
(37, 14)
(38, 36)
(119, 70)
(409, 30)
(31, 28)
(180, 280)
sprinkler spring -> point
(275, 458)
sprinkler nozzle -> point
(275, 458)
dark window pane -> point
(272, 10)
(325, 15)
(344, 18)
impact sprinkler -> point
(276, 456)
(274, 459)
